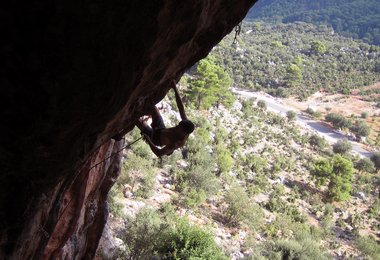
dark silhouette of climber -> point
(169, 139)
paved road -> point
(277, 106)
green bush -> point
(241, 210)
(338, 120)
(360, 129)
(374, 209)
(185, 241)
(277, 204)
(291, 115)
(337, 173)
(192, 198)
(141, 236)
(279, 163)
(318, 47)
(296, 249)
(317, 142)
(138, 171)
(342, 147)
(261, 104)
(375, 158)
(223, 158)
(310, 111)
(147, 181)
(154, 235)
(327, 219)
(369, 247)
(365, 165)
(115, 207)
(256, 163)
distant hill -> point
(297, 59)
(353, 18)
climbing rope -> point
(93, 166)
(237, 32)
(128, 145)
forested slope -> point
(353, 18)
(297, 58)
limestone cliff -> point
(72, 75)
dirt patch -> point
(348, 105)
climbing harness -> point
(237, 32)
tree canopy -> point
(210, 85)
(353, 18)
(337, 174)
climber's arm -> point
(179, 101)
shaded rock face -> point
(72, 75)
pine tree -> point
(210, 85)
(338, 175)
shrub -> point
(279, 163)
(198, 180)
(366, 165)
(338, 120)
(375, 158)
(281, 92)
(256, 163)
(326, 219)
(196, 184)
(141, 236)
(340, 183)
(291, 115)
(147, 181)
(338, 175)
(296, 249)
(261, 104)
(374, 209)
(241, 210)
(360, 128)
(317, 141)
(310, 111)
(369, 247)
(224, 158)
(277, 204)
(318, 47)
(185, 241)
(115, 207)
(154, 235)
(192, 198)
(342, 147)
(138, 170)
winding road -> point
(276, 105)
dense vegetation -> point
(298, 59)
(352, 18)
(253, 181)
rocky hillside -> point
(247, 182)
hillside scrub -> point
(352, 18)
(246, 184)
(297, 59)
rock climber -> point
(162, 140)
